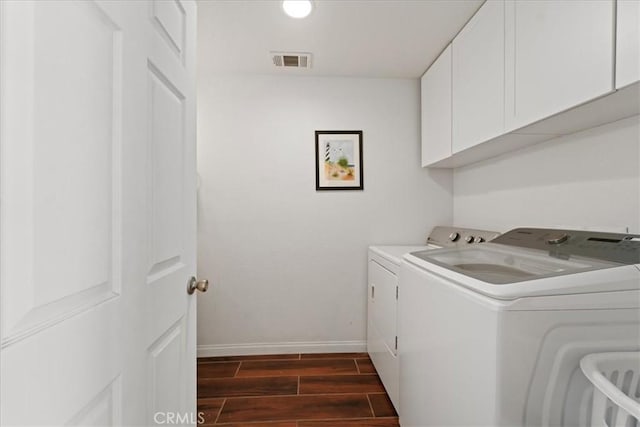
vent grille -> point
(291, 59)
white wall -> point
(287, 263)
(589, 179)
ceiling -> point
(363, 38)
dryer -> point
(492, 335)
(383, 289)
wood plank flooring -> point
(293, 390)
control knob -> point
(556, 239)
(469, 239)
(454, 236)
(478, 239)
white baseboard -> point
(282, 348)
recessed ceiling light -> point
(297, 8)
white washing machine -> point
(492, 335)
(384, 264)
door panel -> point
(627, 42)
(552, 44)
(97, 220)
(166, 385)
(75, 111)
(166, 181)
(435, 88)
(170, 20)
(385, 313)
(478, 78)
(37, 371)
(66, 132)
(104, 410)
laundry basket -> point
(616, 388)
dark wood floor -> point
(293, 390)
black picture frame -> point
(339, 160)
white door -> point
(97, 213)
(627, 42)
(478, 78)
(559, 54)
(435, 97)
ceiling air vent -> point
(291, 59)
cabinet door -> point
(559, 54)
(435, 89)
(385, 305)
(627, 42)
(478, 78)
(383, 326)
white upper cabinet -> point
(525, 71)
(478, 78)
(558, 54)
(435, 88)
(627, 43)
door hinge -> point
(396, 342)
(396, 292)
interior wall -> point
(586, 180)
(288, 264)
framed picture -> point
(339, 160)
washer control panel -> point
(614, 247)
(457, 236)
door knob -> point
(200, 285)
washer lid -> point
(505, 272)
(501, 265)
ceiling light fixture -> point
(297, 8)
